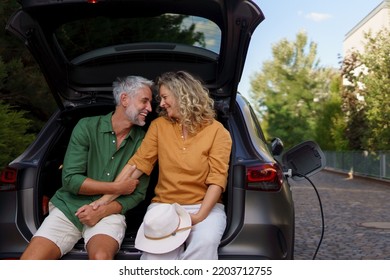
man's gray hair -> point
(129, 85)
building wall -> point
(377, 19)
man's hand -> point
(125, 183)
(88, 216)
(126, 186)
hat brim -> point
(167, 244)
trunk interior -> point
(50, 179)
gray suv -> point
(82, 46)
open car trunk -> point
(50, 179)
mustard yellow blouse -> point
(186, 166)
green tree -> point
(23, 86)
(330, 123)
(13, 126)
(366, 94)
(289, 91)
(376, 81)
(352, 104)
(13, 129)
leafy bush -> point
(13, 130)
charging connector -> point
(288, 173)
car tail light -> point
(264, 177)
(45, 205)
(8, 179)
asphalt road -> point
(356, 217)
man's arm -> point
(76, 161)
(129, 172)
(106, 205)
(122, 185)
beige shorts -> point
(59, 229)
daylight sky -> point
(326, 22)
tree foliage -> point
(330, 124)
(366, 95)
(22, 84)
(290, 92)
(13, 129)
(352, 103)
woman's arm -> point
(219, 157)
(212, 196)
(128, 171)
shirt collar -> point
(105, 124)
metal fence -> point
(362, 163)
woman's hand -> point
(212, 196)
(88, 216)
(196, 218)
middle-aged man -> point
(99, 148)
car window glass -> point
(254, 127)
(79, 37)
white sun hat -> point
(165, 228)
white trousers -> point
(204, 238)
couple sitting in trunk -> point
(186, 218)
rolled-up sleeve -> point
(219, 158)
(76, 159)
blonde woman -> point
(193, 151)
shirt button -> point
(112, 132)
(113, 141)
(112, 157)
(108, 174)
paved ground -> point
(356, 213)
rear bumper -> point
(267, 242)
(12, 243)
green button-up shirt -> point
(92, 152)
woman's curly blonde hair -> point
(195, 105)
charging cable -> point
(289, 173)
